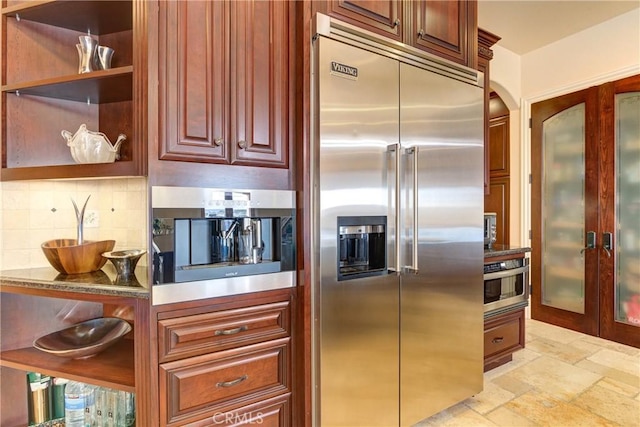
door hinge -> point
(530, 178)
(530, 122)
(530, 235)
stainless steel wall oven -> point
(506, 284)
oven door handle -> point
(506, 273)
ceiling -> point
(526, 25)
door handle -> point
(591, 241)
(413, 268)
(607, 242)
(394, 264)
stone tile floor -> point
(561, 378)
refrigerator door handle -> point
(394, 193)
(413, 268)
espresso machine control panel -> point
(201, 234)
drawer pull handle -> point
(497, 340)
(232, 383)
(231, 331)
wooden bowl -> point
(66, 256)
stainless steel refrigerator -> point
(397, 218)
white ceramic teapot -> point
(92, 147)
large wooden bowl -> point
(66, 256)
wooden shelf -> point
(116, 169)
(112, 368)
(95, 17)
(98, 87)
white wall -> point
(32, 212)
(606, 52)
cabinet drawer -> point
(204, 333)
(275, 412)
(219, 382)
(504, 334)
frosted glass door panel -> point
(563, 220)
(628, 209)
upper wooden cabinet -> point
(43, 93)
(498, 137)
(380, 16)
(225, 74)
(445, 28)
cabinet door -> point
(260, 58)
(499, 146)
(564, 199)
(193, 75)
(378, 16)
(447, 28)
(498, 201)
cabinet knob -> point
(396, 23)
(242, 144)
(217, 142)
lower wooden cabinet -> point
(227, 362)
(503, 335)
(217, 382)
(267, 413)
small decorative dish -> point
(125, 263)
(85, 339)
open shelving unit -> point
(43, 93)
(121, 366)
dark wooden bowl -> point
(66, 256)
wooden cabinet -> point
(499, 143)
(33, 308)
(485, 41)
(503, 335)
(447, 28)
(497, 199)
(219, 363)
(585, 207)
(382, 17)
(444, 28)
(43, 93)
(225, 75)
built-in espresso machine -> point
(208, 234)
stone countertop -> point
(101, 282)
(503, 250)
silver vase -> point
(87, 49)
(103, 57)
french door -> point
(586, 211)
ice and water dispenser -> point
(362, 246)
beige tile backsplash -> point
(32, 212)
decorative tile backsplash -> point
(32, 212)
